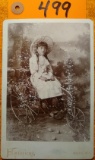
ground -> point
(45, 128)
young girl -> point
(42, 78)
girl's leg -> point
(56, 102)
(53, 102)
(59, 97)
(49, 101)
(44, 105)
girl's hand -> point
(43, 78)
(53, 78)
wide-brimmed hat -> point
(44, 39)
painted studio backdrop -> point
(29, 118)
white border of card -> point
(46, 150)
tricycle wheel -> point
(75, 118)
(24, 112)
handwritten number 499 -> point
(56, 5)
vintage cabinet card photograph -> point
(48, 89)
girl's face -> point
(41, 50)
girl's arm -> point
(34, 67)
(50, 71)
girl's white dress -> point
(41, 68)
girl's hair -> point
(46, 46)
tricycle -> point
(26, 105)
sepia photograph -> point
(47, 89)
(48, 82)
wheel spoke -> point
(81, 124)
(81, 116)
(77, 113)
(31, 112)
(81, 120)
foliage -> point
(18, 66)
